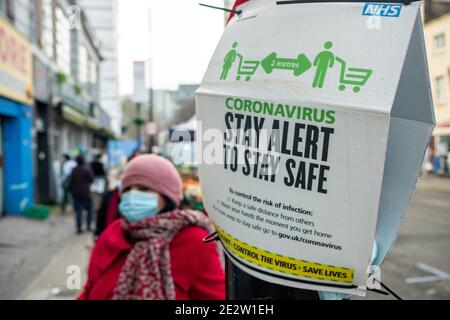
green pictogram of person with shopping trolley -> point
(245, 68)
(228, 61)
(324, 60)
(356, 77)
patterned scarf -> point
(146, 274)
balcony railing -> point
(68, 94)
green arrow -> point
(298, 66)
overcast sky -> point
(182, 39)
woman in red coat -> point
(155, 252)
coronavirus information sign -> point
(300, 116)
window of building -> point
(2, 7)
(439, 41)
(9, 9)
(440, 89)
(25, 18)
(83, 64)
(92, 109)
(62, 41)
(93, 73)
(47, 28)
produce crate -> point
(38, 212)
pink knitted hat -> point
(156, 173)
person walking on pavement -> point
(66, 171)
(155, 251)
(100, 181)
(80, 182)
(108, 211)
(98, 169)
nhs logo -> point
(382, 10)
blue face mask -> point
(138, 205)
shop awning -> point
(110, 133)
(92, 123)
(72, 115)
(106, 133)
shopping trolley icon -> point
(355, 77)
(246, 68)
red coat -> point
(195, 266)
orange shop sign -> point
(16, 76)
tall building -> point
(102, 16)
(49, 98)
(437, 38)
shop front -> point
(441, 146)
(43, 128)
(16, 91)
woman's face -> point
(161, 200)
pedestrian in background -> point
(98, 169)
(108, 211)
(66, 171)
(80, 183)
(155, 251)
(99, 186)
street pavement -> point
(54, 281)
(26, 248)
(35, 255)
(418, 267)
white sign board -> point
(151, 129)
(313, 122)
(140, 94)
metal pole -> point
(151, 140)
(151, 119)
(242, 286)
(138, 125)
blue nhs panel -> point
(382, 10)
